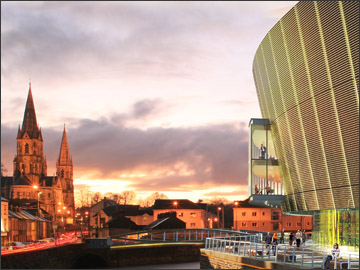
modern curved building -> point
(306, 72)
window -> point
(275, 215)
(243, 214)
(275, 226)
(192, 225)
(24, 194)
(193, 214)
(298, 224)
(26, 149)
(18, 194)
(263, 213)
(102, 222)
(288, 224)
(49, 195)
(254, 214)
(180, 214)
(308, 223)
(243, 224)
(254, 224)
(263, 223)
(62, 174)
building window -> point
(263, 223)
(24, 194)
(275, 226)
(288, 224)
(254, 224)
(298, 224)
(308, 223)
(243, 214)
(254, 214)
(193, 214)
(62, 174)
(243, 224)
(49, 195)
(18, 194)
(102, 222)
(26, 149)
(192, 224)
(181, 214)
(275, 215)
(263, 213)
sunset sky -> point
(156, 96)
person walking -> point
(274, 242)
(268, 240)
(291, 239)
(335, 253)
(298, 238)
(282, 236)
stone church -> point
(30, 187)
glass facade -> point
(337, 226)
(306, 72)
(264, 176)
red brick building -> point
(256, 218)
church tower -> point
(64, 171)
(30, 161)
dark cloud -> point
(210, 155)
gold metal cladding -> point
(287, 124)
(348, 48)
(337, 122)
(281, 138)
(298, 111)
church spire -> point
(64, 156)
(29, 124)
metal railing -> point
(176, 235)
(302, 257)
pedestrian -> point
(268, 240)
(335, 253)
(282, 235)
(256, 189)
(298, 238)
(304, 237)
(263, 151)
(274, 242)
(291, 239)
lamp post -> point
(38, 211)
(235, 210)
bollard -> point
(262, 251)
(244, 248)
(202, 232)
(276, 253)
(189, 235)
(177, 236)
(239, 247)
(323, 263)
(335, 265)
(284, 254)
(293, 256)
(151, 236)
(250, 249)
(255, 250)
(164, 236)
(206, 244)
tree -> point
(3, 170)
(128, 196)
(149, 201)
(83, 196)
(218, 201)
(96, 197)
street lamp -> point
(38, 211)
(235, 210)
